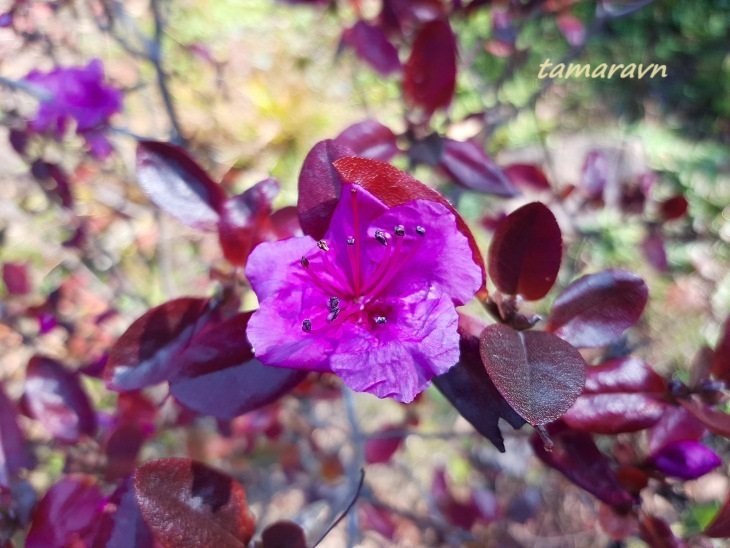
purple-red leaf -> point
(719, 527)
(54, 396)
(394, 187)
(284, 534)
(576, 456)
(178, 185)
(186, 503)
(319, 187)
(654, 251)
(245, 220)
(369, 139)
(525, 253)
(13, 453)
(383, 444)
(673, 208)
(16, 278)
(470, 390)
(67, 514)
(676, 424)
(539, 374)
(594, 175)
(54, 181)
(621, 395)
(121, 524)
(468, 165)
(429, 77)
(527, 176)
(716, 421)
(686, 459)
(372, 46)
(596, 309)
(145, 354)
(219, 376)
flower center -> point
(357, 294)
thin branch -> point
(38, 92)
(356, 496)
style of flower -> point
(372, 302)
(76, 93)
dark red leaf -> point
(596, 309)
(54, 396)
(186, 503)
(719, 527)
(617, 525)
(286, 223)
(572, 28)
(146, 353)
(654, 251)
(319, 187)
(383, 444)
(525, 253)
(468, 165)
(16, 278)
(527, 176)
(721, 361)
(470, 390)
(54, 181)
(376, 518)
(178, 185)
(394, 187)
(13, 453)
(284, 534)
(458, 513)
(576, 456)
(627, 374)
(614, 413)
(67, 515)
(218, 375)
(429, 77)
(594, 175)
(701, 367)
(539, 374)
(122, 446)
(656, 532)
(121, 524)
(716, 421)
(676, 424)
(245, 220)
(673, 208)
(369, 139)
(372, 46)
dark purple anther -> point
(380, 320)
(400, 230)
(307, 326)
(350, 241)
(323, 245)
(334, 303)
(420, 230)
(380, 236)
(304, 262)
(332, 316)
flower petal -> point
(440, 257)
(399, 358)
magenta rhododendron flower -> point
(686, 459)
(372, 302)
(79, 94)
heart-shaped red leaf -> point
(394, 187)
(146, 353)
(178, 185)
(369, 139)
(383, 444)
(539, 374)
(319, 187)
(576, 456)
(468, 165)
(596, 309)
(525, 253)
(16, 278)
(186, 503)
(429, 78)
(218, 375)
(54, 396)
(527, 176)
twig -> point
(357, 459)
(20, 85)
(356, 496)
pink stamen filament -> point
(392, 270)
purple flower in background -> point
(372, 302)
(79, 94)
(686, 459)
